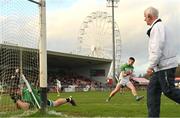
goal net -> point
(19, 37)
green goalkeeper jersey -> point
(27, 96)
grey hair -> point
(152, 11)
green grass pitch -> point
(92, 104)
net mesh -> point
(19, 37)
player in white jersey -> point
(58, 87)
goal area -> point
(19, 49)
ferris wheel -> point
(95, 37)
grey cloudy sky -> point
(66, 16)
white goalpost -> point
(22, 46)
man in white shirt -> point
(162, 63)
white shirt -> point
(162, 54)
(58, 83)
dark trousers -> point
(161, 81)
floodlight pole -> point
(111, 3)
(42, 54)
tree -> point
(178, 71)
(140, 76)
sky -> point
(65, 17)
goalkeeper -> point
(14, 82)
(24, 100)
(126, 73)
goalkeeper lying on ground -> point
(24, 99)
